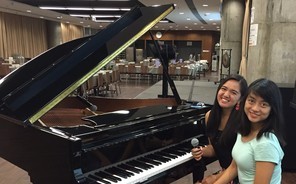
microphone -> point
(195, 142)
(91, 106)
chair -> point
(91, 85)
(4, 70)
(116, 80)
(110, 86)
(144, 71)
(101, 86)
(159, 72)
(172, 71)
(184, 72)
(131, 69)
(121, 69)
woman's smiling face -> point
(229, 94)
(256, 109)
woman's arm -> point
(207, 151)
(264, 171)
(228, 175)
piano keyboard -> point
(140, 169)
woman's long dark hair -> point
(274, 123)
(214, 120)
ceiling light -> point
(52, 8)
(106, 9)
(105, 16)
(104, 21)
(79, 8)
(205, 5)
(125, 9)
(79, 15)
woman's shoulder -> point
(268, 139)
(207, 116)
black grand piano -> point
(147, 144)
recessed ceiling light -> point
(79, 15)
(205, 5)
(181, 13)
(78, 8)
(106, 9)
(52, 8)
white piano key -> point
(143, 176)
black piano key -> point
(176, 152)
(164, 157)
(186, 148)
(157, 158)
(166, 154)
(92, 181)
(139, 164)
(99, 179)
(118, 172)
(153, 162)
(128, 173)
(108, 176)
(130, 168)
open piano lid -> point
(32, 90)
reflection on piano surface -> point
(46, 133)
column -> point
(231, 32)
(273, 56)
(54, 33)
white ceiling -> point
(209, 19)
